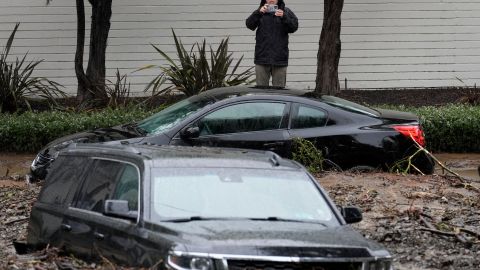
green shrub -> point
(30, 131)
(451, 128)
(305, 152)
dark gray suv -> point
(195, 208)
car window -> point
(62, 180)
(169, 117)
(348, 105)
(126, 187)
(99, 185)
(308, 117)
(254, 116)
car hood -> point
(267, 238)
(93, 136)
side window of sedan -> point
(99, 185)
(244, 117)
(308, 117)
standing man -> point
(274, 22)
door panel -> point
(77, 231)
(54, 199)
(78, 226)
(277, 141)
(259, 125)
(344, 147)
(334, 141)
(116, 239)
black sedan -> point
(348, 135)
(172, 207)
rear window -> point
(62, 180)
(349, 106)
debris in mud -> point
(425, 221)
(395, 210)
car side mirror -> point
(119, 208)
(190, 132)
(351, 214)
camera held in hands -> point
(272, 8)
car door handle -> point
(99, 236)
(274, 144)
(66, 227)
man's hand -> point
(279, 13)
(264, 8)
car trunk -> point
(397, 115)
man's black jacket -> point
(271, 46)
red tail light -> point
(412, 131)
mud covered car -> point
(196, 208)
(348, 134)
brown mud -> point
(426, 222)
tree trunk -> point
(101, 14)
(329, 49)
(83, 83)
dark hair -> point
(281, 4)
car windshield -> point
(348, 105)
(169, 117)
(234, 193)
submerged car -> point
(177, 207)
(348, 134)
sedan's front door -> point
(257, 125)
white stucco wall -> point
(394, 43)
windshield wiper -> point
(134, 127)
(200, 218)
(194, 218)
(288, 220)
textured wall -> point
(394, 43)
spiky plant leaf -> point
(197, 69)
(18, 84)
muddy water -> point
(466, 165)
(12, 164)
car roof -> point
(168, 156)
(244, 90)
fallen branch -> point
(432, 229)
(155, 266)
(463, 179)
(15, 221)
(104, 259)
(435, 159)
(438, 232)
(470, 232)
(426, 215)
